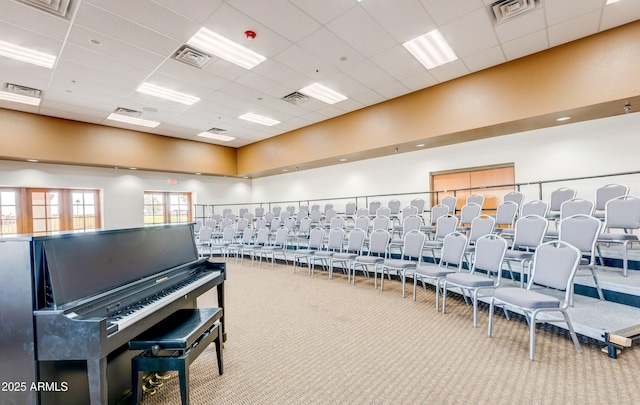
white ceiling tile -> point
(560, 11)
(27, 18)
(620, 13)
(393, 90)
(370, 98)
(485, 59)
(103, 63)
(344, 84)
(224, 69)
(420, 81)
(196, 10)
(526, 45)
(8, 105)
(326, 10)
(570, 30)
(29, 39)
(398, 62)
(282, 74)
(369, 74)
(521, 26)
(24, 74)
(449, 71)
(191, 74)
(260, 83)
(327, 46)
(443, 11)
(362, 32)
(280, 16)
(470, 34)
(303, 62)
(404, 20)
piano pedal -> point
(147, 390)
(154, 383)
(164, 375)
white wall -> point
(122, 190)
(604, 146)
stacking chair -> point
(530, 231)
(374, 206)
(279, 245)
(383, 212)
(378, 223)
(453, 248)
(362, 211)
(557, 198)
(554, 266)
(353, 250)
(241, 225)
(419, 204)
(237, 248)
(506, 216)
(302, 234)
(362, 222)
(334, 245)
(316, 217)
(197, 225)
(259, 212)
(408, 224)
(622, 213)
(394, 210)
(480, 226)
(277, 210)
(450, 201)
(211, 223)
(204, 240)
(406, 212)
(606, 193)
(222, 244)
(376, 253)
(488, 258)
(575, 206)
(249, 216)
(408, 262)
(350, 211)
(316, 239)
(261, 239)
(242, 211)
(582, 231)
(533, 207)
(291, 210)
(436, 212)
(514, 196)
(445, 225)
(476, 199)
(468, 212)
(328, 216)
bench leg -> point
(218, 343)
(136, 383)
(183, 375)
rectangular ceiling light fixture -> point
(217, 137)
(611, 2)
(26, 55)
(167, 94)
(322, 93)
(431, 49)
(215, 44)
(259, 119)
(19, 98)
(132, 120)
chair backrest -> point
(226, 212)
(289, 223)
(489, 254)
(383, 212)
(249, 216)
(197, 225)
(242, 224)
(216, 217)
(242, 211)
(282, 234)
(291, 210)
(336, 239)
(301, 215)
(336, 222)
(622, 213)
(554, 265)
(269, 216)
(356, 240)
(316, 238)
(453, 248)
(480, 226)
(304, 207)
(262, 235)
(419, 204)
(350, 208)
(305, 225)
(330, 214)
(374, 205)
(205, 234)
(445, 225)
(469, 211)
(582, 232)
(476, 199)
(381, 222)
(315, 215)
(506, 213)
(277, 210)
(559, 196)
(260, 222)
(530, 231)
(275, 223)
(450, 201)
(227, 234)
(362, 211)
(247, 235)
(535, 207)
(379, 242)
(608, 192)
(437, 211)
(327, 207)
(259, 211)
(231, 216)
(211, 223)
(315, 207)
(576, 206)
(413, 244)
(362, 222)
(408, 211)
(225, 223)
(394, 206)
(410, 223)
(514, 196)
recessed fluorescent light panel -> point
(167, 94)
(322, 93)
(218, 137)
(215, 44)
(26, 55)
(18, 98)
(431, 49)
(259, 119)
(132, 120)
(611, 1)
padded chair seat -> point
(305, 252)
(344, 256)
(518, 255)
(400, 264)
(434, 271)
(469, 280)
(603, 237)
(369, 259)
(396, 241)
(432, 244)
(271, 248)
(552, 234)
(507, 231)
(526, 298)
(583, 261)
(323, 253)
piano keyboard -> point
(133, 313)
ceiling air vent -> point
(217, 130)
(127, 112)
(23, 90)
(57, 7)
(295, 98)
(505, 10)
(192, 56)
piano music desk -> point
(174, 344)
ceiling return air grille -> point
(192, 56)
(23, 90)
(295, 98)
(217, 130)
(505, 10)
(127, 112)
(57, 7)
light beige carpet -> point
(295, 339)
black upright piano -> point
(71, 302)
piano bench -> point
(174, 344)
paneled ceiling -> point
(106, 49)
